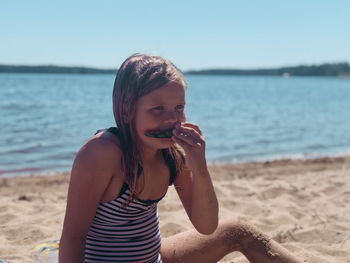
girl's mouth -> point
(160, 134)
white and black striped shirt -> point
(124, 234)
(128, 233)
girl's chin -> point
(160, 143)
(166, 141)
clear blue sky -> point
(193, 34)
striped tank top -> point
(129, 233)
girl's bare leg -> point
(231, 235)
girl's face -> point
(158, 111)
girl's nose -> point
(172, 116)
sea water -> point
(46, 118)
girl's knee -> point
(241, 235)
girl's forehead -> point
(166, 93)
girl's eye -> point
(158, 108)
(180, 107)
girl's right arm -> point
(91, 173)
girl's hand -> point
(191, 139)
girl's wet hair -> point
(139, 75)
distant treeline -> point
(54, 69)
(336, 69)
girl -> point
(152, 147)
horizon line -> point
(188, 70)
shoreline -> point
(302, 204)
(284, 158)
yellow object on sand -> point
(47, 252)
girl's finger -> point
(188, 124)
(181, 142)
(190, 133)
(184, 137)
(188, 138)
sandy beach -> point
(302, 204)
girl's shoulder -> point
(103, 148)
(106, 137)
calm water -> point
(45, 118)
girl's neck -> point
(151, 155)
